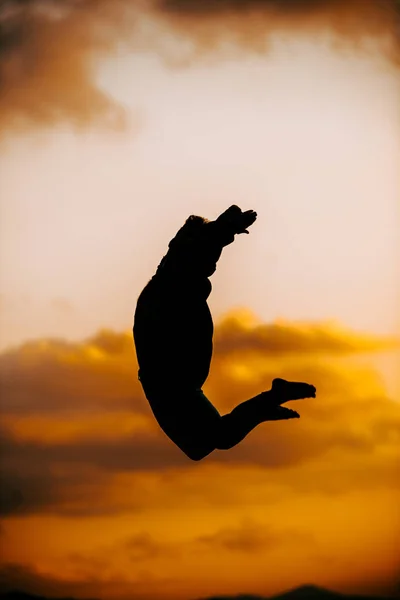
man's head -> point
(189, 230)
(186, 244)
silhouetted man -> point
(173, 332)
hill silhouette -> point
(304, 592)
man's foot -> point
(283, 391)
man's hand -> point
(236, 220)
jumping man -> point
(173, 331)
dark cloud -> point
(103, 583)
(50, 49)
(79, 490)
(71, 479)
(138, 548)
(252, 537)
(292, 7)
(247, 24)
(336, 12)
(142, 546)
(17, 576)
(48, 54)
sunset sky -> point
(117, 121)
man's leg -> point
(187, 417)
(236, 425)
(196, 427)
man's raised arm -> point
(198, 245)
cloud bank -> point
(75, 418)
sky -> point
(118, 121)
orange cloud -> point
(42, 376)
(241, 332)
(75, 418)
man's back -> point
(173, 332)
